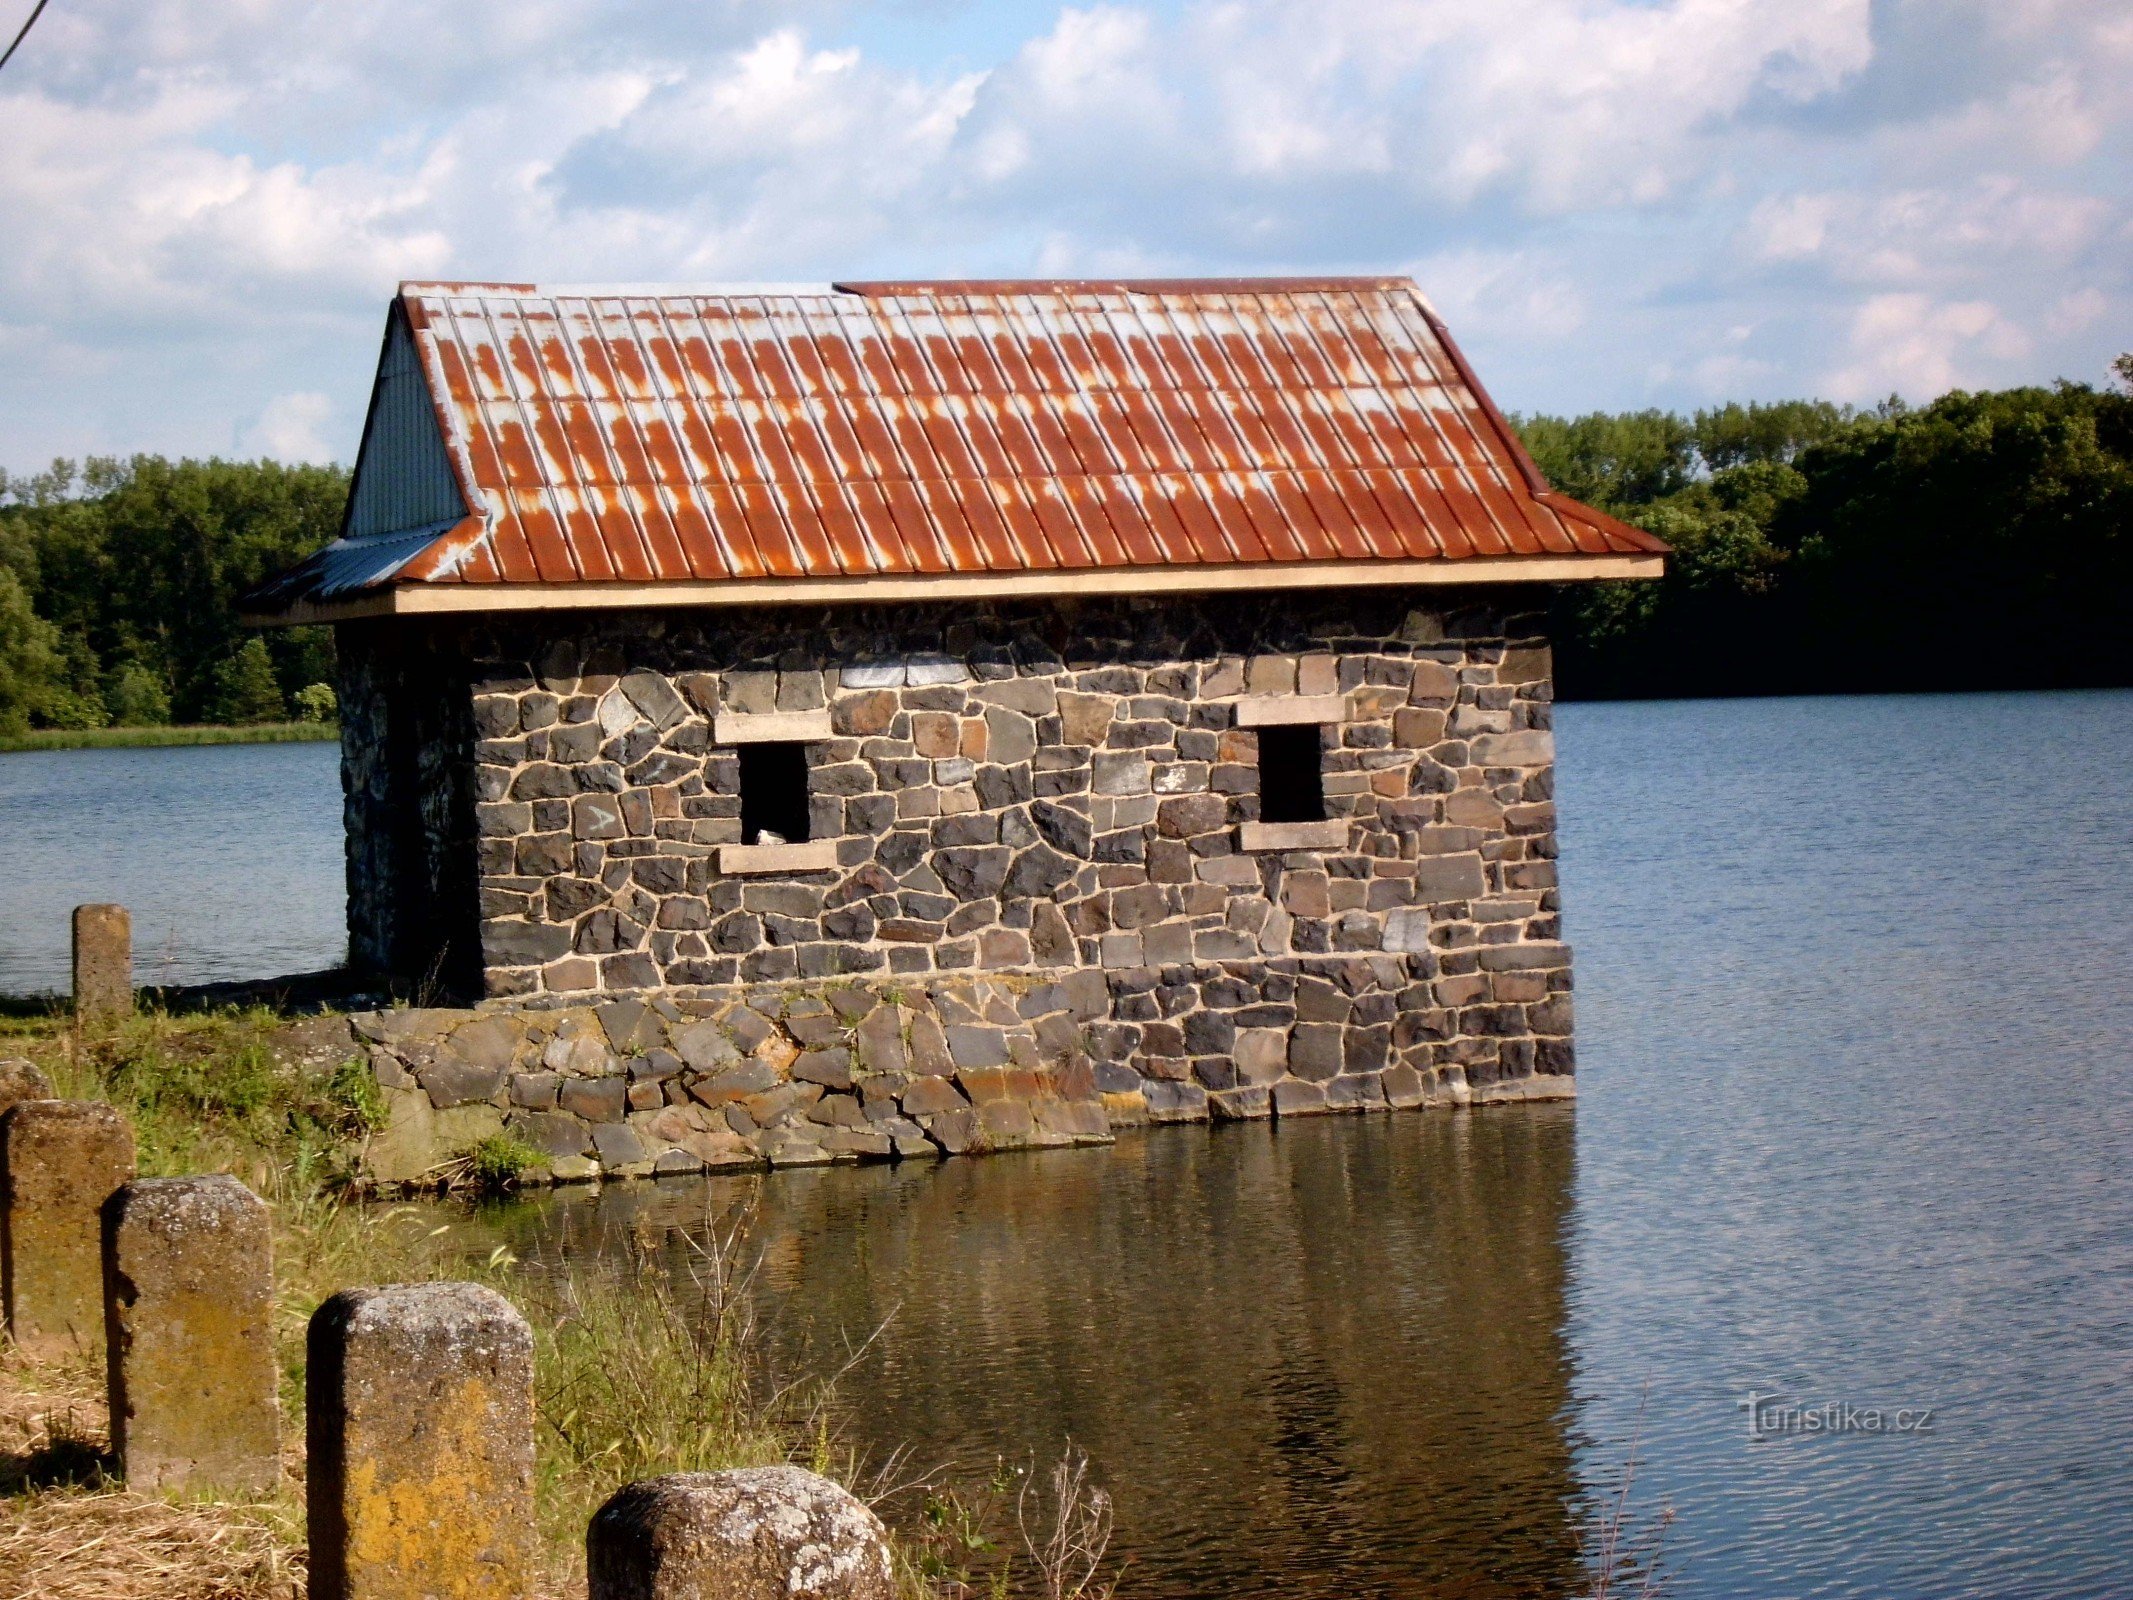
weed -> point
(491, 1165)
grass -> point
(639, 1369)
(158, 737)
(211, 1091)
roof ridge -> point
(895, 288)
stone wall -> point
(407, 773)
(849, 1070)
(1042, 795)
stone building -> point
(1155, 665)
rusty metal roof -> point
(639, 434)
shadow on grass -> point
(63, 1461)
(296, 994)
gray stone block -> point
(1315, 1050)
(103, 961)
(975, 1045)
(22, 1080)
(763, 1533)
(619, 1147)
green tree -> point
(145, 559)
(29, 656)
(1983, 540)
(317, 702)
(1613, 461)
(245, 689)
(75, 698)
(138, 698)
(1735, 435)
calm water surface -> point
(1857, 1106)
(229, 857)
(1854, 1021)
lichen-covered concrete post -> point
(103, 961)
(765, 1533)
(188, 1325)
(420, 1437)
(22, 1080)
(60, 1160)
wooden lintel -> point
(813, 855)
(1290, 710)
(768, 727)
(438, 599)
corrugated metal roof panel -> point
(634, 433)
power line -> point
(25, 33)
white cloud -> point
(1496, 293)
(1912, 344)
(2078, 311)
(1921, 235)
(293, 427)
(1614, 201)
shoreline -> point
(175, 736)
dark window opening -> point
(1292, 787)
(773, 793)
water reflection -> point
(1314, 1360)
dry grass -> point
(69, 1532)
(110, 1544)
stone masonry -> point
(1046, 815)
(848, 1070)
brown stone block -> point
(859, 715)
(189, 1308)
(103, 961)
(1126, 1108)
(1434, 684)
(1526, 664)
(60, 1160)
(936, 735)
(1295, 1098)
(420, 1427)
(762, 1533)
(1006, 1124)
(1081, 1121)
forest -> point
(1981, 541)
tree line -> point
(118, 590)
(1980, 541)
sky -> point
(205, 204)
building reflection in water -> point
(1314, 1358)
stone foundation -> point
(845, 1071)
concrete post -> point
(22, 1080)
(765, 1533)
(103, 961)
(189, 1331)
(60, 1160)
(420, 1437)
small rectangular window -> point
(1292, 786)
(774, 793)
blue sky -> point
(204, 204)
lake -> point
(1854, 1025)
(228, 856)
